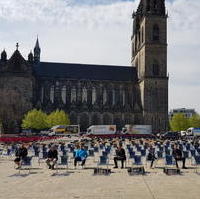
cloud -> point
(99, 31)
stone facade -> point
(149, 56)
(93, 94)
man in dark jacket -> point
(178, 156)
(21, 154)
(151, 156)
(120, 155)
(52, 157)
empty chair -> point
(159, 154)
(104, 153)
(137, 160)
(132, 154)
(42, 156)
(185, 154)
(143, 152)
(62, 161)
(96, 149)
(196, 162)
(169, 160)
(103, 160)
(193, 152)
(26, 163)
(91, 152)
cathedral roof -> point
(84, 71)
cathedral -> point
(94, 94)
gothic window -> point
(52, 92)
(142, 34)
(148, 5)
(156, 33)
(139, 38)
(136, 42)
(64, 94)
(133, 49)
(156, 71)
(84, 95)
(104, 96)
(123, 97)
(113, 97)
(137, 67)
(73, 94)
(94, 95)
(42, 94)
(154, 4)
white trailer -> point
(193, 131)
(137, 129)
(101, 130)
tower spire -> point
(37, 51)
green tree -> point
(57, 118)
(35, 119)
(179, 122)
(194, 121)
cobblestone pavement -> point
(82, 184)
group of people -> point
(177, 154)
(52, 157)
(81, 154)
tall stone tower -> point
(149, 56)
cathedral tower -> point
(149, 56)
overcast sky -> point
(99, 32)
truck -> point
(137, 129)
(101, 130)
(193, 131)
(65, 130)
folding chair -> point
(62, 161)
(169, 166)
(196, 162)
(42, 156)
(26, 164)
(103, 160)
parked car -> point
(171, 135)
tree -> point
(57, 118)
(194, 121)
(179, 122)
(35, 119)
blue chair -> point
(143, 152)
(169, 160)
(104, 153)
(132, 154)
(193, 152)
(197, 162)
(96, 149)
(103, 160)
(188, 147)
(159, 154)
(26, 164)
(42, 156)
(62, 161)
(137, 160)
(91, 152)
(185, 154)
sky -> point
(99, 32)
